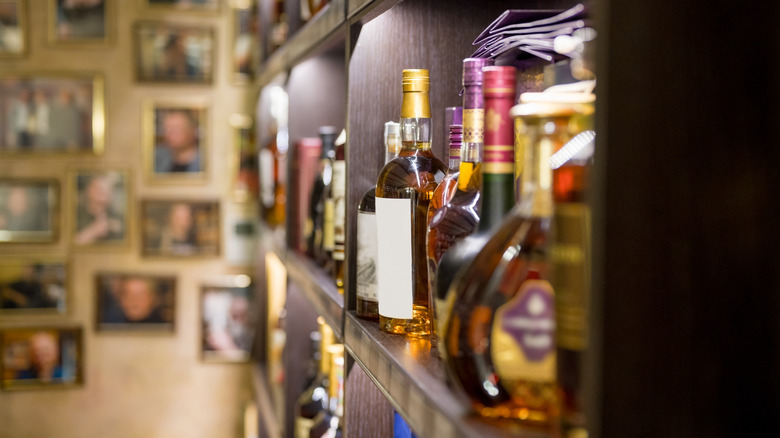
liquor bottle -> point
(314, 399)
(303, 169)
(273, 190)
(457, 217)
(501, 340)
(446, 187)
(496, 193)
(367, 304)
(403, 191)
(328, 423)
(336, 236)
(320, 211)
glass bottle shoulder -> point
(417, 169)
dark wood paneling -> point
(686, 269)
(367, 412)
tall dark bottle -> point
(403, 191)
(497, 191)
(336, 236)
(501, 336)
(367, 304)
(318, 211)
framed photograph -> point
(29, 210)
(209, 6)
(13, 28)
(135, 301)
(52, 113)
(33, 285)
(246, 49)
(174, 141)
(226, 319)
(80, 22)
(101, 214)
(245, 172)
(174, 53)
(180, 228)
(41, 357)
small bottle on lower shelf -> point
(329, 423)
(314, 399)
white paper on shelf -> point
(394, 262)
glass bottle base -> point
(534, 404)
(418, 326)
(367, 309)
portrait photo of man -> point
(28, 210)
(134, 301)
(174, 53)
(101, 213)
(227, 322)
(180, 228)
(32, 285)
(35, 357)
(175, 137)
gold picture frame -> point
(246, 48)
(13, 29)
(189, 6)
(57, 112)
(29, 210)
(24, 350)
(244, 168)
(135, 302)
(81, 25)
(180, 228)
(101, 213)
(34, 285)
(226, 319)
(172, 53)
(175, 137)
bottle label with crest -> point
(366, 256)
(394, 261)
(523, 335)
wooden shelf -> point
(319, 289)
(413, 379)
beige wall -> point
(136, 385)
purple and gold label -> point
(523, 335)
(473, 125)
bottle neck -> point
(536, 198)
(498, 182)
(392, 147)
(416, 120)
(456, 143)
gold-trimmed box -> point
(175, 137)
(52, 112)
(29, 210)
(101, 213)
(32, 285)
(41, 357)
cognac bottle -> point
(501, 336)
(403, 191)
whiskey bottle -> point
(403, 191)
(320, 211)
(366, 284)
(454, 117)
(272, 160)
(338, 192)
(501, 340)
(497, 191)
(314, 398)
(329, 423)
(457, 218)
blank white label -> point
(394, 262)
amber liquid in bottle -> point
(406, 184)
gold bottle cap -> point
(416, 79)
